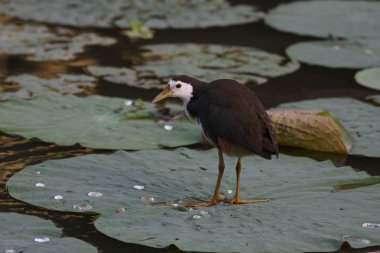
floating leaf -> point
(162, 14)
(94, 121)
(139, 31)
(305, 213)
(29, 86)
(337, 54)
(369, 78)
(361, 120)
(25, 233)
(325, 18)
(205, 62)
(40, 44)
(314, 130)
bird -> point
(231, 117)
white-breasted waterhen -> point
(231, 117)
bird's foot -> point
(236, 201)
(207, 204)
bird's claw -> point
(236, 201)
(207, 204)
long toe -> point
(207, 204)
(241, 201)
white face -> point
(181, 90)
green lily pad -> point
(337, 54)
(324, 18)
(95, 122)
(361, 120)
(162, 14)
(30, 86)
(40, 44)
(369, 78)
(205, 62)
(305, 212)
(29, 234)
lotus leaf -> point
(205, 62)
(94, 121)
(305, 213)
(322, 18)
(138, 31)
(369, 78)
(21, 233)
(40, 44)
(361, 120)
(162, 14)
(310, 129)
(30, 86)
(338, 54)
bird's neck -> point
(198, 90)
(192, 106)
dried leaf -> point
(310, 129)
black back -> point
(229, 110)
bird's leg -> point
(236, 199)
(215, 199)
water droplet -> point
(138, 187)
(95, 194)
(356, 239)
(148, 198)
(42, 239)
(168, 127)
(203, 212)
(371, 225)
(58, 197)
(120, 209)
(196, 217)
(37, 172)
(40, 185)
(83, 207)
(10, 251)
(229, 193)
(178, 207)
(128, 102)
(337, 47)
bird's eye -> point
(178, 85)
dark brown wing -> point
(231, 111)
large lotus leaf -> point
(29, 86)
(161, 14)
(337, 54)
(305, 212)
(361, 120)
(206, 62)
(42, 45)
(322, 18)
(369, 78)
(29, 234)
(94, 121)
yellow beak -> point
(164, 94)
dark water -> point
(306, 83)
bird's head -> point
(178, 86)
